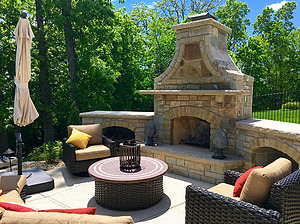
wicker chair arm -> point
(69, 146)
(285, 197)
(231, 176)
(69, 151)
(203, 206)
(110, 144)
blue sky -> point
(256, 7)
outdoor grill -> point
(130, 156)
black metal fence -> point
(281, 106)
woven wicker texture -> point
(203, 206)
(231, 176)
(129, 196)
(283, 205)
(285, 198)
(75, 166)
(23, 193)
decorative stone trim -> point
(188, 111)
(212, 22)
(195, 92)
(255, 134)
(276, 144)
(119, 123)
(191, 111)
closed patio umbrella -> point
(24, 109)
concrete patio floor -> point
(78, 192)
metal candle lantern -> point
(130, 156)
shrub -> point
(48, 152)
(291, 105)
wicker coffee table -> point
(128, 190)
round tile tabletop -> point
(108, 170)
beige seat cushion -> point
(92, 152)
(95, 130)
(258, 185)
(8, 183)
(12, 196)
(10, 217)
(224, 189)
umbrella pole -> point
(19, 146)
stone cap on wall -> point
(195, 92)
(277, 128)
(203, 22)
(118, 114)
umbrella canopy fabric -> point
(24, 109)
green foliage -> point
(177, 11)
(291, 106)
(48, 152)
(233, 14)
(120, 53)
(272, 56)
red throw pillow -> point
(89, 210)
(11, 206)
(239, 184)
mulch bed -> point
(41, 164)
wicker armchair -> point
(283, 204)
(70, 156)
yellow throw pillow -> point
(1, 199)
(79, 139)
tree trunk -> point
(44, 75)
(3, 136)
(70, 47)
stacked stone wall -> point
(220, 111)
(208, 170)
(270, 138)
(136, 125)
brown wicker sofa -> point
(13, 188)
(282, 204)
(78, 160)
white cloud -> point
(277, 6)
(152, 5)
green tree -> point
(44, 74)
(177, 11)
(277, 29)
(252, 59)
(234, 15)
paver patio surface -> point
(78, 191)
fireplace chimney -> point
(201, 61)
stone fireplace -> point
(202, 90)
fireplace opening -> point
(266, 155)
(191, 131)
(118, 134)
